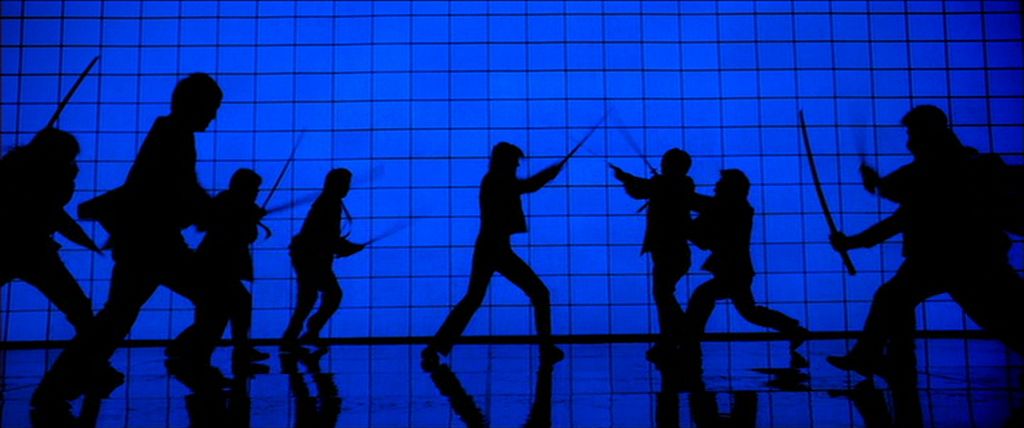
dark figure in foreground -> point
(501, 216)
(313, 252)
(671, 198)
(36, 181)
(953, 220)
(144, 217)
(724, 227)
(224, 261)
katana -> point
(821, 194)
(71, 93)
(585, 138)
(277, 183)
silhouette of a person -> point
(501, 216)
(224, 261)
(313, 251)
(671, 198)
(36, 181)
(724, 227)
(952, 242)
(145, 217)
(464, 405)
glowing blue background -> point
(411, 95)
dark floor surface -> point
(961, 383)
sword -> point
(585, 138)
(393, 230)
(277, 183)
(821, 194)
(67, 98)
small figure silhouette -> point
(671, 198)
(954, 240)
(501, 216)
(224, 261)
(313, 251)
(36, 181)
(724, 227)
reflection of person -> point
(501, 216)
(313, 251)
(36, 181)
(724, 227)
(671, 198)
(321, 410)
(465, 406)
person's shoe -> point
(797, 337)
(249, 354)
(247, 369)
(851, 362)
(429, 359)
(550, 354)
(660, 353)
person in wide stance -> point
(501, 216)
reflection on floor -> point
(961, 383)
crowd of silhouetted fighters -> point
(956, 207)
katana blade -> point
(71, 93)
(821, 194)
(284, 170)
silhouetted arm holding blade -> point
(538, 180)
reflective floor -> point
(961, 383)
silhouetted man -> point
(671, 198)
(724, 227)
(36, 181)
(225, 261)
(146, 215)
(952, 242)
(313, 251)
(501, 216)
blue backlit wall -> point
(411, 95)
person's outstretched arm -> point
(344, 248)
(538, 180)
(636, 187)
(70, 228)
(874, 235)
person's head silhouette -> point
(246, 183)
(928, 132)
(195, 101)
(675, 162)
(52, 145)
(505, 157)
(733, 185)
(338, 182)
